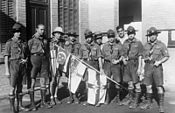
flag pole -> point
(96, 70)
(100, 73)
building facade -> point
(97, 15)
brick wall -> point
(83, 18)
(21, 14)
(54, 14)
(101, 15)
(160, 13)
(97, 15)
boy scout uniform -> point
(110, 52)
(72, 47)
(56, 69)
(39, 51)
(131, 51)
(16, 51)
(39, 56)
(90, 53)
(155, 51)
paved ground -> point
(73, 108)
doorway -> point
(37, 13)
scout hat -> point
(110, 33)
(152, 31)
(88, 33)
(16, 27)
(58, 30)
(72, 34)
(98, 35)
(131, 30)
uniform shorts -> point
(17, 71)
(40, 66)
(153, 74)
(112, 70)
(130, 71)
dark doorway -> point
(130, 11)
(37, 13)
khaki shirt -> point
(111, 52)
(90, 51)
(16, 49)
(73, 48)
(38, 45)
(133, 49)
(159, 51)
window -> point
(7, 19)
(68, 15)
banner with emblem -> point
(76, 72)
(96, 87)
(63, 58)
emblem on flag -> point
(62, 56)
(76, 72)
(96, 87)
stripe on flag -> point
(96, 87)
(76, 72)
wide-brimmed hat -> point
(110, 33)
(98, 35)
(152, 31)
(88, 33)
(72, 34)
(16, 27)
(58, 30)
(131, 30)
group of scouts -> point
(122, 58)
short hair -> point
(39, 25)
(119, 27)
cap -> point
(131, 30)
(110, 33)
(98, 35)
(152, 31)
(58, 30)
(72, 34)
(16, 27)
(88, 33)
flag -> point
(96, 87)
(76, 72)
(54, 63)
(63, 58)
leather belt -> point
(38, 54)
(149, 61)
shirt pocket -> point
(135, 49)
(15, 49)
(35, 46)
(116, 52)
(85, 53)
(94, 52)
(157, 51)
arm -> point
(165, 55)
(7, 72)
(6, 58)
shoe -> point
(52, 102)
(136, 101)
(43, 98)
(98, 105)
(57, 101)
(70, 101)
(85, 103)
